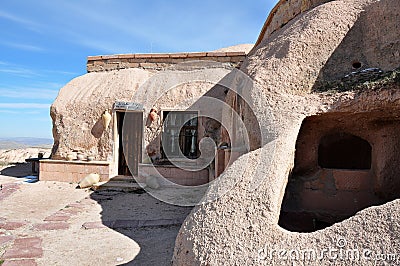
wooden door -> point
(130, 131)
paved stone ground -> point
(17, 248)
(50, 223)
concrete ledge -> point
(76, 162)
(167, 55)
(122, 61)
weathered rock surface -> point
(77, 111)
(318, 45)
(285, 11)
(19, 155)
(237, 48)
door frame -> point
(118, 129)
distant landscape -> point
(23, 142)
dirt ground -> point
(52, 223)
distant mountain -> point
(22, 142)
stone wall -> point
(159, 61)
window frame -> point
(182, 139)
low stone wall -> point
(72, 171)
(174, 174)
(159, 61)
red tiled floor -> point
(7, 189)
(28, 242)
(25, 248)
(28, 262)
(51, 226)
(58, 217)
(4, 239)
(11, 225)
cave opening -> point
(344, 151)
(357, 65)
(344, 163)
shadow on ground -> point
(152, 224)
(17, 170)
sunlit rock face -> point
(301, 69)
(77, 112)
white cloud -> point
(102, 45)
(26, 47)
(111, 33)
(23, 72)
(28, 93)
(17, 70)
(29, 24)
(109, 26)
(14, 106)
(19, 112)
(8, 112)
(61, 72)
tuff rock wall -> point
(77, 111)
(241, 226)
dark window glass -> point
(180, 133)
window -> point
(344, 151)
(180, 134)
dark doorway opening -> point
(130, 136)
(344, 151)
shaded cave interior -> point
(344, 163)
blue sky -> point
(44, 44)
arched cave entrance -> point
(344, 151)
(344, 162)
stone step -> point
(117, 185)
(123, 178)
